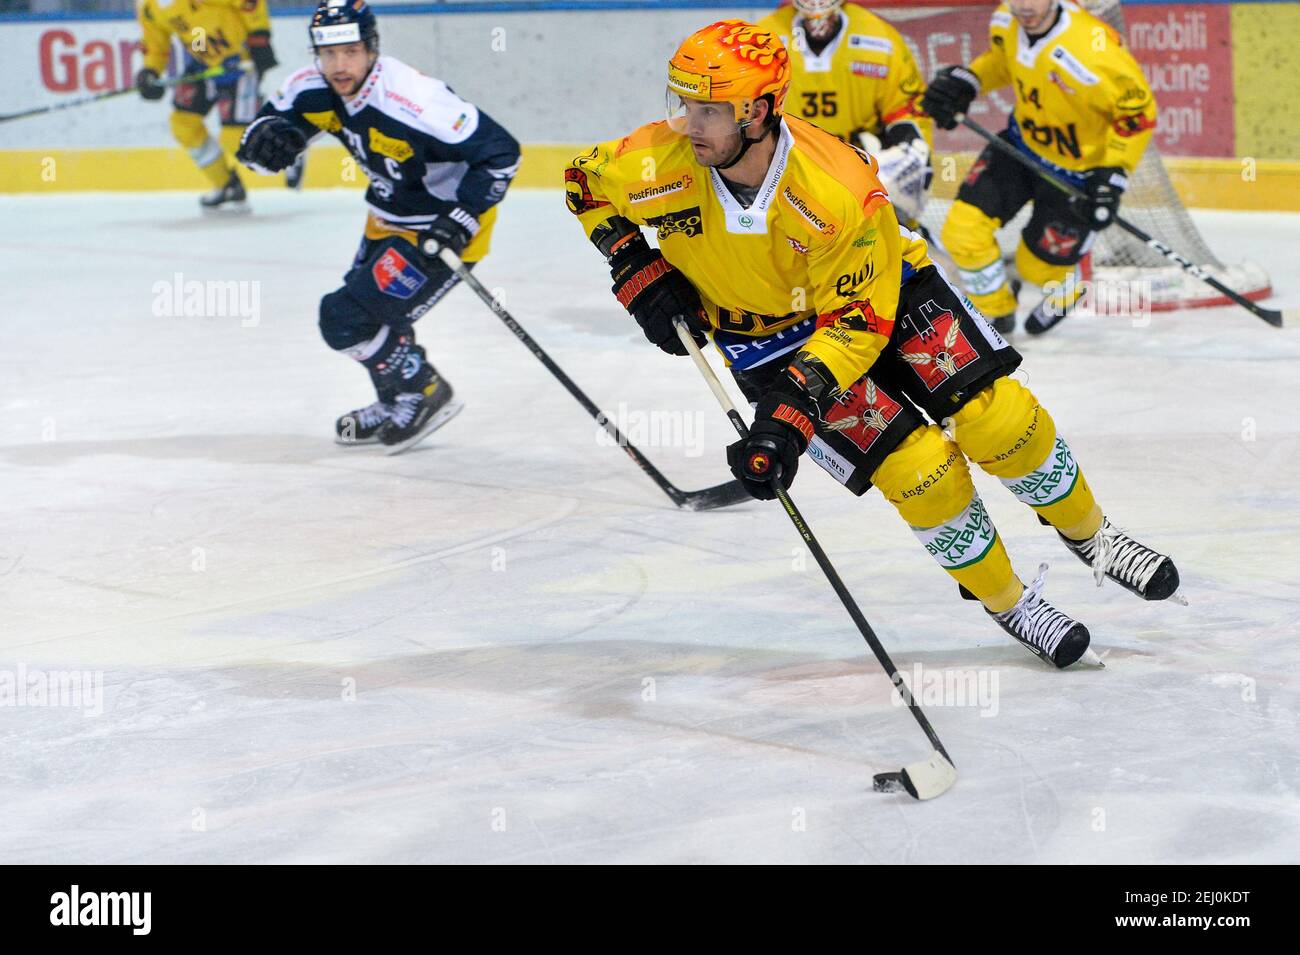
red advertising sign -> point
(1186, 53)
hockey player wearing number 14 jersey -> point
(777, 240)
(437, 166)
(1083, 111)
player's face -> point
(1033, 15)
(820, 27)
(345, 66)
(711, 128)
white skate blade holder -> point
(925, 779)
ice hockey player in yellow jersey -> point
(777, 240)
(212, 33)
(852, 74)
(1083, 110)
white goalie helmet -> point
(817, 9)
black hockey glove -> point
(271, 143)
(1103, 188)
(260, 52)
(452, 230)
(950, 93)
(146, 82)
(656, 294)
(782, 428)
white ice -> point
(508, 646)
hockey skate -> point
(1041, 628)
(1134, 566)
(293, 175)
(363, 425)
(1052, 310)
(230, 198)
(417, 414)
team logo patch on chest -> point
(396, 276)
(381, 145)
(862, 414)
(939, 350)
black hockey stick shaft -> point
(819, 555)
(717, 496)
(210, 73)
(1272, 316)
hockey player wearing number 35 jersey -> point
(777, 239)
(437, 166)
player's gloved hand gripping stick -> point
(719, 495)
(925, 778)
(1276, 318)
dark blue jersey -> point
(424, 148)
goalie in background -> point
(211, 33)
(852, 75)
(1083, 111)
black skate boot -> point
(1044, 630)
(293, 175)
(1049, 313)
(417, 414)
(363, 425)
(1112, 553)
(229, 198)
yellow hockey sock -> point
(928, 482)
(1011, 436)
(230, 137)
(190, 132)
(970, 236)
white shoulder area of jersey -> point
(1001, 18)
(308, 78)
(424, 103)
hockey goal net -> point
(956, 33)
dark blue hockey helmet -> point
(344, 21)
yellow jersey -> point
(1081, 98)
(816, 261)
(865, 79)
(211, 31)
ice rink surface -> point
(507, 646)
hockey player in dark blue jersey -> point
(437, 165)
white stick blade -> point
(929, 777)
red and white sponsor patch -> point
(875, 71)
(939, 352)
(862, 413)
(1059, 243)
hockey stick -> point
(210, 73)
(720, 495)
(925, 778)
(1274, 317)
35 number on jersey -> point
(819, 104)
